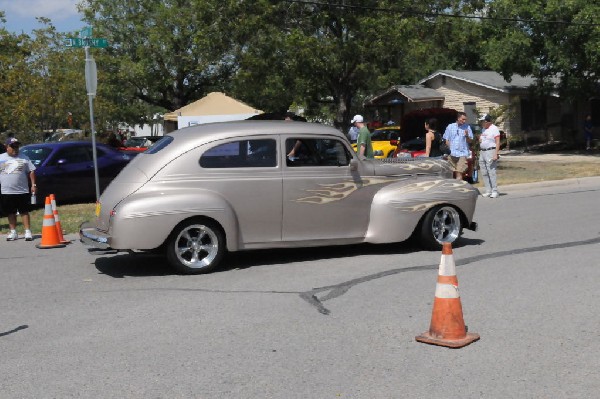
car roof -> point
(57, 144)
(199, 134)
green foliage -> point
(326, 57)
(552, 39)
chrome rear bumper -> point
(88, 235)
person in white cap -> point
(15, 171)
(364, 149)
(489, 145)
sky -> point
(20, 14)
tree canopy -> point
(324, 56)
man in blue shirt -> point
(458, 136)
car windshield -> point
(384, 135)
(37, 155)
(135, 142)
(159, 145)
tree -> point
(166, 54)
(337, 53)
(550, 40)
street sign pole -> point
(86, 41)
(91, 82)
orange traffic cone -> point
(59, 231)
(49, 233)
(447, 324)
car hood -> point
(411, 166)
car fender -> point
(163, 211)
(397, 209)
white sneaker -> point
(28, 236)
(486, 194)
(12, 236)
(494, 194)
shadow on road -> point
(145, 264)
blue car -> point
(66, 169)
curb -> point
(593, 180)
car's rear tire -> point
(441, 224)
(196, 246)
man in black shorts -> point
(15, 173)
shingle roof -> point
(490, 79)
(413, 93)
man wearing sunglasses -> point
(16, 171)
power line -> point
(442, 15)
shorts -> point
(13, 203)
(459, 164)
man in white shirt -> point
(353, 134)
(16, 171)
(489, 145)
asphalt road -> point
(335, 322)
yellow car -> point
(380, 140)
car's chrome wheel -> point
(441, 224)
(196, 247)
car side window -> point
(316, 152)
(259, 153)
(72, 155)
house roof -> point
(413, 93)
(215, 103)
(490, 79)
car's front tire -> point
(441, 224)
(196, 246)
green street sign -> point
(86, 42)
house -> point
(479, 92)
(214, 107)
(399, 100)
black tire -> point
(441, 224)
(196, 246)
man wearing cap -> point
(489, 145)
(364, 149)
(15, 173)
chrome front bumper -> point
(89, 235)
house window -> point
(533, 114)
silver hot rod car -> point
(207, 189)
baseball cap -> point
(486, 118)
(12, 140)
(357, 118)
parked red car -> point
(416, 148)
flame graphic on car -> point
(338, 191)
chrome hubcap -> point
(196, 246)
(446, 225)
